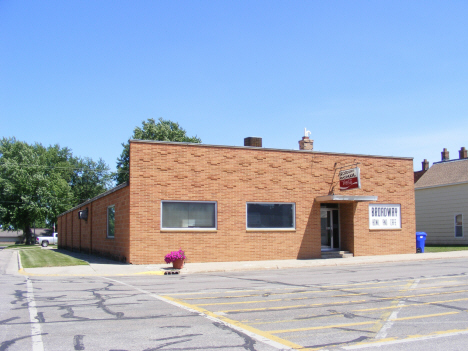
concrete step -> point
(336, 254)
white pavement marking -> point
(36, 335)
(382, 334)
(214, 319)
(401, 341)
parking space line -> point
(343, 302)
(410, 338)
(410, 305)
(346, 325)
(279, 293)
(294, 306)
(36, 334)
(388, 318)
(266, 301)
(252, 332)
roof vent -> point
(253, 141)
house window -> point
(111, 221)
(188, 215)
(268, 215)
(458, 226)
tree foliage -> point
(163, 130)
(39, 183)
(89, 178)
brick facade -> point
(90, 236)
(233, 176)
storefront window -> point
(270, 216)
(188, 215)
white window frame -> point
(293, 228)
(455, 225)
(190, 229)
(107, 226)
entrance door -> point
(330, 228)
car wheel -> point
(45, 243)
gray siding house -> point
(441, 196)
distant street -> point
(392, 306)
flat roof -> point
(264, 149)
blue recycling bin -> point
(420, 241)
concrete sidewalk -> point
(102, 267)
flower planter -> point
(178, 264)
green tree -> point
(32, 188)
(89, 178)
(164, 130)
(39, 183)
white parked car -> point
(45, 241)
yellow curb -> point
(21, 271)
(151, 273)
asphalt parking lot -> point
(417, 305)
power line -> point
(25, 165)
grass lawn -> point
(444, 248)
(35, 256)
(27, 247)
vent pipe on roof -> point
(462, 153)
(445, 154)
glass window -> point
(110, 221)
(459, 226)
(184, 214)
(270, 216)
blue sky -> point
(368, 77)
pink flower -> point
(175, 255)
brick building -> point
(221, 203)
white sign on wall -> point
(384, 216)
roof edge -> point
(265, 149)
(110, 191)
(438, 185)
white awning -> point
(346, 198)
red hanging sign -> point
(350, 179)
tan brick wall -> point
(91, 236)
(234, 176)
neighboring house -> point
(12, 236)
(9, 237)
(245, 203)
(441, 196)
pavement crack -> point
(101, 305)
(359, 339)
(78, 342)
(40, 317)
(177, 337)
(167, 344)
(5, 321)
(6, 344)
(70, 313)
(19, 296)
(249, 343)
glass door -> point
(329, 228)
